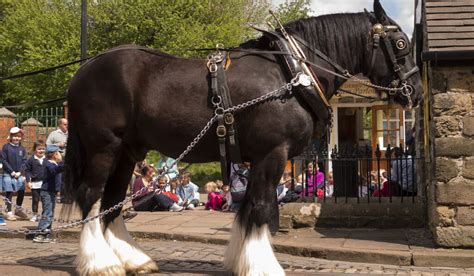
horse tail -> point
(74, 169)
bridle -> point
(380, 35)
(396, 51)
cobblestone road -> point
(195, 258)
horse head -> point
(390, 62)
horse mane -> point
(342, 37)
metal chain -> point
(346, 75)
(369, 84)
(74, 223)
(28, 212)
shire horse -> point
(127, 101)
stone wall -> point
(354, 214)
(452, 182)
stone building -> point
(448, 63)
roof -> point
(6, 113)
(450, 25)
(31, 122)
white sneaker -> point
(176, 208)
(10, 216)
(190, 207)
(34, 218)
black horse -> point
(128, 101)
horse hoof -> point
(147, 267)
(103, 271)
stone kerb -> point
(453, 135)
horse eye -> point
(401, 44)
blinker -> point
(401, 44)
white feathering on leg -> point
(127, 250)
(95, 256)
(252, 255)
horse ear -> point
(370, 15)
(380, 13)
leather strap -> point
(308, 93)
(232, 140)
(225, 130)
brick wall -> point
(452, 181)
(7, 121)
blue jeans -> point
(48, 199)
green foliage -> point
(39, 34)
(153, 157)
(293, 10)
(203, 173)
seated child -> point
(226, 198)
(214, 198)
(187, 192)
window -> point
(387, 123)
(367, 123)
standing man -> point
(58, 137)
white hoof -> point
(95, 255)
(127, 250)
(251, 255)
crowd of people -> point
(163, 187)
(40, 172)
(167, 188)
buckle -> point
(213, 68)
(228, 118)
(221, 131)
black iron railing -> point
(354, 172)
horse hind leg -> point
(127, 250)
(95, 256)
(249, 251)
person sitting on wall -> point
(284, 186)
(401, 173)
(315, 180)
(239, 174)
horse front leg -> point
(132, 256)
(249, 251)
(95, 256)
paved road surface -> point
(23, 257)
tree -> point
(294, 10)
(39, 34)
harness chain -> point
(279, 92)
